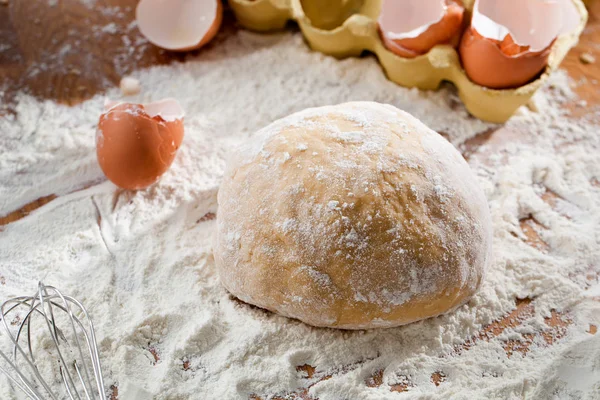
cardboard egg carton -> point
(345, 28)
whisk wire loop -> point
(72, 353)
(17, 349)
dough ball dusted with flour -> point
(351, 216)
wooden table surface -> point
(51, 49)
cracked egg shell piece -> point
(136, 144)
(504, 49)
(179, 25)
(413, 27)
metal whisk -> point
(66, 335)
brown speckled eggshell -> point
(134, 149)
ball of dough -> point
(352, 216)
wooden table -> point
(40, 53)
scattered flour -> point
(142, 264)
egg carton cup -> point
(347, 28)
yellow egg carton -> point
(344, 28)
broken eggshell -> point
(410, 28)
(357, 30)
(508, 42)
(179, 25)
(136, 144)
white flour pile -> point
(141, 262)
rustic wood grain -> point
(25, 210)
(69, 50)
(587, 75)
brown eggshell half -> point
(134, 148)
(176, 25)
(445, 31)
(487, 65)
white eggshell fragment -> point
(410, 18)
(179, 25)
(409, 28)
(168, 109)
(533, 23)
